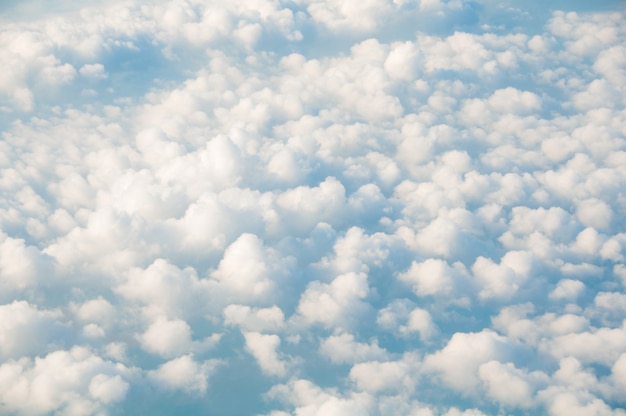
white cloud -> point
(337, 15)
(602, 345)
(307, 398)
(164, 289)
(595, 213)
(352, 186)
(254, 319)
(264, 349)
(511, 100)
(504, 279)
(337, 304)
(344, 349)
(249, 271)
(514, 322)
(71, 382)
(27, 330)
(97, 310)
(167, 338)
(404, 318)
(567, 289)
(458, 363)
(184, 373)
(432, 277)
(21, 265)
(509, 385)
(375, 376)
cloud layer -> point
(312, 207)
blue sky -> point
(313, 207)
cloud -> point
(327, 207)
(508, 385)
(22, 265)
(376, 376)
(458, 363)
(433, 276)
(338, 304)
(44, 385)
(26, 329)
(256, 319)
(344, 349)
(167, 338)
(403, 317)
(264, 349)
(185, 374)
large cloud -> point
(330, 207)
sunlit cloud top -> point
(313, 207)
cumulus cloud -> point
(458, 363)
(258, 319)
(264, 349)
(72, 381)
(337, 304)
(26, 329)
(328, 207)
(344, 349)
(185, 374)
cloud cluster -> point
(327, 207)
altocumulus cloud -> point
(312, 207)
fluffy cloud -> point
(264, 349)
(184, 373)
(375, 376)
(383, 207)
(458, 363)
(403, 317)
(167, 338)
(433, 276)
(72, 382)
(258, 319)
(26, 329)
(336, 304)
(344, 349)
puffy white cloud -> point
(403, 317)
(357, 252)
(567, 289)
(309, 399)
(350, 195)
(595, 213)
(243, 268)
(71, 382)
(514, 322)
(96, 71)
(27, 330)
(375, 376)
(504, 279)
(618, 372)
(509, 385)
(164, 289)
(254, 319)
(22, 266)
(336, 304)
(511, 100)
(458, 363)
(250, 271)
(344, 349)
(167, 338)
(433, 276)
(264, 349)
(337, 15)
(184, 373)
(603, 345)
